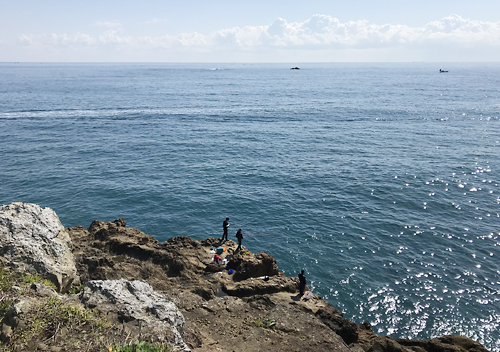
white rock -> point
(136, 300)
(34, 238)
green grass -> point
(46, 320)
(31, 279)
(73, 328)
(268, 323)
(140, 346)
(6, 281)
(4, 307)
(68, 326)
(76, 289)
(49, 284)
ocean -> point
(380, 180)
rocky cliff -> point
(94, 287)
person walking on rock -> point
(225, 225)
(239, 236)
(302, 283)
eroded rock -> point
(335, 320)
(259, 285)
(251, 266)
(33, 239)
(448, 343)
(134, 279)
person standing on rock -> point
(302, 283)
(225, 225)
(239, 236)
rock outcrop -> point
(246, 266)
(138, 307)
(34, 240)
(445, 343)
(170, 291)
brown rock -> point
(448, 343)
(252, 266)
(255, 309)
(386, 344)
(260, 285)
(334, 319)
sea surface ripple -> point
(380, 180)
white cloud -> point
(54, 39)
(319, 33)
(114, 37)
(463, 31)
(322, 32)
(78, 39)
(109, 24)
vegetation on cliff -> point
(50, 323)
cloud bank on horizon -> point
(317, 39)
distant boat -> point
(295, 68)
(442, 71)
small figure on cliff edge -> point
(302, 283)
(239, 236)
(225, 225)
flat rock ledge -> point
(173, 292)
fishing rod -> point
(263, 234)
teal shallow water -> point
(381, 181)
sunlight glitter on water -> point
(353, 177)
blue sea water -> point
(380, 180)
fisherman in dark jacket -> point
(239, 236)
(225, 225)
(302, 283)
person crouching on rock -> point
(302, 283)
(217, 259)
(239, 236)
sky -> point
(250, 31)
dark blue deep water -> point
(381, 180)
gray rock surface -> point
(34, 240)
(137, 302)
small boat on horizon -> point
(295, 68)
(442, 71)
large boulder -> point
(138, 307)
(259, 285)
(33, 239)
(250, 266)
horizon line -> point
(249, 62)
